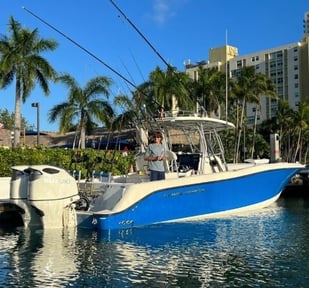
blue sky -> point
(178, 29)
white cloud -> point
(165, 9)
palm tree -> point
(284, 125)
(130, 112)
(301, 124)
(305, 146)
(263, 87)
(21, 61)
(246, 87)
(168, 86)
(83, 105)
(209, 88)
(143, 100)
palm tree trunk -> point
(17, 114)
(306, 154)
(82, 137)
(297, 145)
(240, 131)
(254, 132)
(236, 132)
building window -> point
(280, 90)
(272, 64)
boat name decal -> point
(176, 194)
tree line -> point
(22, 64)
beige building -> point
(287, 66)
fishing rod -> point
(138, 68)
(139, 32)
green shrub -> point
(86, 161)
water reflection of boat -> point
(50, 261)
(202, 250)
(162, 234)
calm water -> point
(266, 249)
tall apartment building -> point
(287, 66)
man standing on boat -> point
(155, 155)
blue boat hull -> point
(197, 201)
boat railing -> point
(94, 184)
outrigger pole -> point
(140, 33)
(83, 48)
